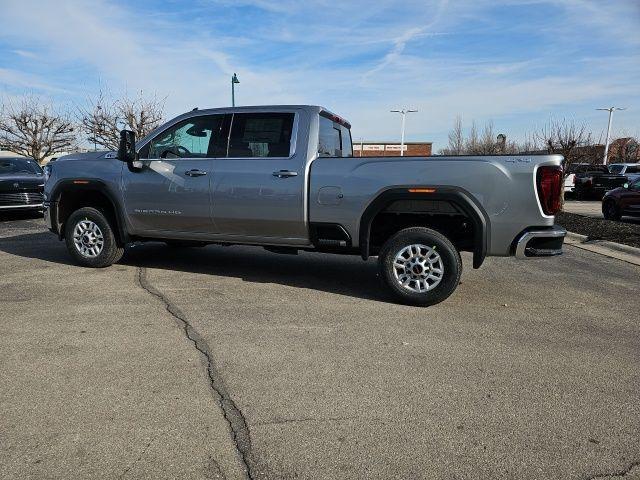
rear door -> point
(170, 191)
(258, 189)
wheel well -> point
(440, 215)
(71, 200)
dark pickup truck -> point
(593, 181)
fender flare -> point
(457, 196)
(83, 184)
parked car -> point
(21, 184)
(593, 181)
(284, 177)
(570, 173)
(629, 170)
(622, 201)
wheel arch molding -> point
(457, 196)
(82, 185)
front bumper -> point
(35, 206)
(540, 242)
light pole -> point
(403, 112)
(234, 80)
(606, 146)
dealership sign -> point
(379, 148)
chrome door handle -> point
(285, 174)
(194, 173)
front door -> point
(258, 190)
(169, 191)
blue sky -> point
(517, 62)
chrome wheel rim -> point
(418, 268)
(88, 238)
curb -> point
(608, 249)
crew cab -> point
(284, 177)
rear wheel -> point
(90, 239)
(610, 210)
(420, 266)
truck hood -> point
(87, 156)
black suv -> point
(21, 184)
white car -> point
(628, 169)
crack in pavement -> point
(619, 473)
(133, 464)
(240, 434)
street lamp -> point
(403, 112)
(234, 80)
(606, 147)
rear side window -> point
(334, 139)
(261, 135)
(632, 169)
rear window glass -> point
(334, 139)
(261, 135)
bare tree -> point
(33, 129)
(103, 119)
(485, 143)
(625, 150)
(571, 140)
(456, 139)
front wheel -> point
(420, 266)
(90, 239)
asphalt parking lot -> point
(233, 362)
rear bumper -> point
(540, 243)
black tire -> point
(449, 258)
(110, 251)
(610, 210)
(580, 195)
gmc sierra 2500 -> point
(285, 177)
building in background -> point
(391, 149)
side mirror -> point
(127, 147)
(626, 185)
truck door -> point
(170, 190)
(259, 188)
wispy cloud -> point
(516, 61)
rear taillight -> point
(549, 183)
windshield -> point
(11, 166)
(616, 168)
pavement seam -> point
(619, 473)
(238, 427)
(133, 464)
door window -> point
(197, 137)
(261, 135)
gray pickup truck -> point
(284, 177)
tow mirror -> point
(127, 146)
(626, 185)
